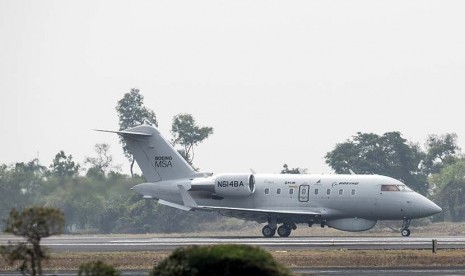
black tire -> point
(268, 232)
(284, 231)
(405, 232)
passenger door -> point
(303, 193)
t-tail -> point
(155, 156)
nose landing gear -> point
(405, 232)
(405, 225)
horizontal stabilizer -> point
(123, 132)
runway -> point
(79, 243)
(110, 243)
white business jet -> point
(344, 202)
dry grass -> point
(120, 260)
(293, 259)
(371, 258)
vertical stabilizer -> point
(155, 156)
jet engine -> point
(226, 185)
(234, 184)
(351, 224)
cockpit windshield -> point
(395, 188)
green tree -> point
(131, 113)
(101, 164)
(187, 134)
(441, 150)
(97, 268)
(19, 185)
(389, 154)
(33, 223)
(230, 259)
(448, 189)
(81, 199)
(286, 170)
(64, 166)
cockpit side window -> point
(395, 188)
(389, 188)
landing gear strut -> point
(405, 225)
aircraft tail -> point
(155, 156)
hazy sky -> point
(279, 81)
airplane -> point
(344, 202)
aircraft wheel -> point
(284, 231)
(268, 232)
(405, 232)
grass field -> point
(292, 259)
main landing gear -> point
(404, 230)
(284, 230)
(268, 231)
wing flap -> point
(262, 211)
(189, 202)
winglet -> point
(186, 198)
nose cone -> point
(431, 208)
(435, 208)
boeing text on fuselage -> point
(344, 202)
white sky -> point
(279, 81)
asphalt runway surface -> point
(81, 243)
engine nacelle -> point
(351, 224)
(234, 184)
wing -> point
(260, 215)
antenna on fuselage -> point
(352, 172)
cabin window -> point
(390, 188)
(291, 191)
(341, 191)
(328, 191)
(316, 191)
(278, 191)
(267, 191)
(353, 191)
(304, 191)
